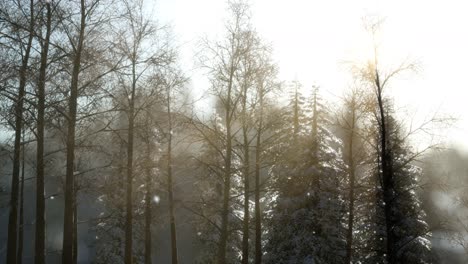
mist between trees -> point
(104, 157)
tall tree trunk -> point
(13, 214)
(387, 175)
(225, 211)
(75, 225)
(170, 190)
(148, 211)
(352, 173)
(227, 175)
(246, 172)
(129, 200)
(21, 212)
(118, 193)
(258, 160)
(39, 248)
(67, 249)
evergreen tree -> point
(307, 224)
(410, 230)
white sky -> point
(313, 39)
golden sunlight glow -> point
(314, 42)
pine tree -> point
(411, 233)
(307, 225)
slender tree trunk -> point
(387, 175)
(227, 176)
(67, 251)
(258, 214)
(129, 200)
(246, 172)
(120, 191)
(75, 225)
(225, 210)
(21, 212)
(352, 173)
(39, 249)
(148, 212)
(13, 215)
(258, 160)
(170, 190)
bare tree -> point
(82, 30)
(25, 50)
(225, 59)
(246, 173)
(137, 45)
(149, 139)
(39, 255)
(246, 79)
(173, 81)
(67, 249)
(266, 83)
(258, 160)
(374, 76)
(355, 107)
(21, 209)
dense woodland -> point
(104, 157)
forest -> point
(110, 153)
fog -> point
(243, 131)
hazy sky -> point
(315, 41)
